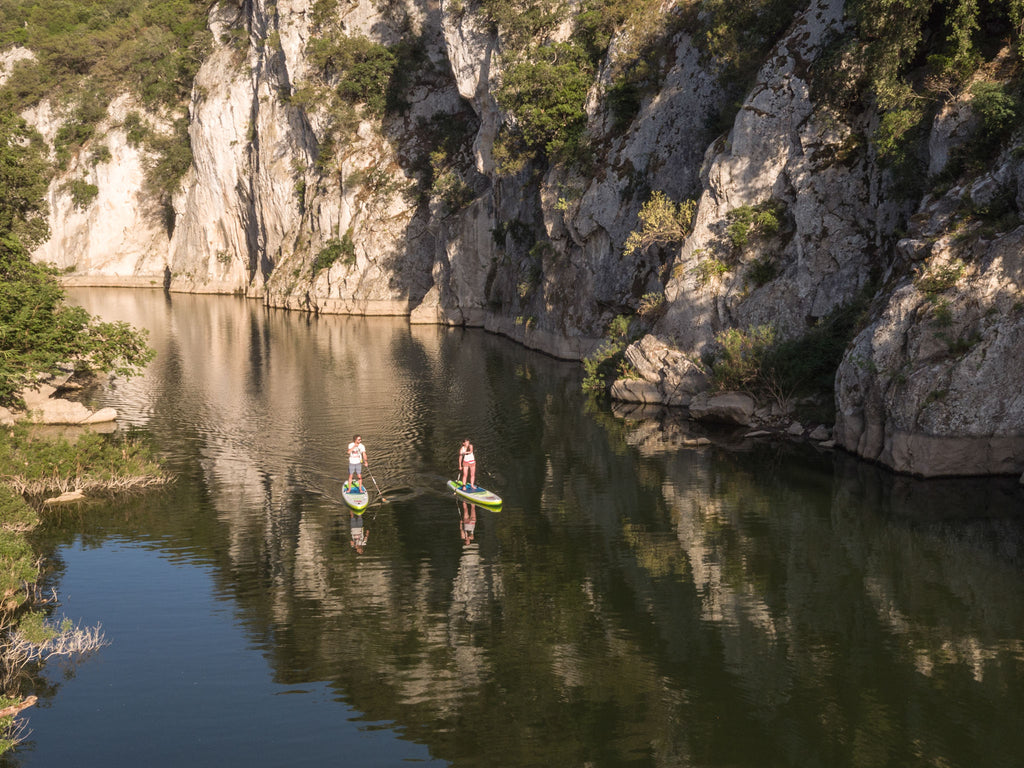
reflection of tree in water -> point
(830, 609)
(642, 601)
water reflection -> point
(641, 598)
(467, 522)
(357, 530)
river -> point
(638, 600)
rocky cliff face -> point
(933, 385)
(282, 205)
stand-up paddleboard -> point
(356, 499)
(478, 495)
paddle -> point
(375, 484)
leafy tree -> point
(547, 96)
(24, 177)
(38, 332)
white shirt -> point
(356, 453)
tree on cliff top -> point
(38, 331)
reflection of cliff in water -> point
(867, 595)
(644, 599)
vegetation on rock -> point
(87, 52)
(40, 335)
(662, 223)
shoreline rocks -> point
(42, 407)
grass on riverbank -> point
(35, 465)
(31, 467)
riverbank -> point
(35, 465)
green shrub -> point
(746, 221)
(897, 132)
(18, 562)
(173, 158)
(652, 305)
(762, 270)
(737, 36)
(662, 223)
(333, 250)
(739, 364)
(135, 129)
(808, 364)
(547, 94)
(361, 68)
(82, 192)
(100, 154)
(997, 110)
(938, 278)
(709, 269)
(942, 313)
(607, 360)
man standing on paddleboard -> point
(467, 464)
(356, 459)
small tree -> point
(39, 332)
(662, 222)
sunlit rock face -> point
(786, 151)
(118, 236)
(280, 206)
(933, 385)
(259, 205)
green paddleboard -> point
(356, 499)
(478, 495)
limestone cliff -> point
(307, 197)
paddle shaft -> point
(375, 484)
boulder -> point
(102, 416)
(636, 391)
(59, 412)
(726, 408)
(820, 433)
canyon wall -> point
(930, 385)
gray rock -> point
(728, 408)
(820, 433)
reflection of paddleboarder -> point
(467, 522)
(467, 464)
(359, 534)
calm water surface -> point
(636, 601)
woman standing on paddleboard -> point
(467, 464)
